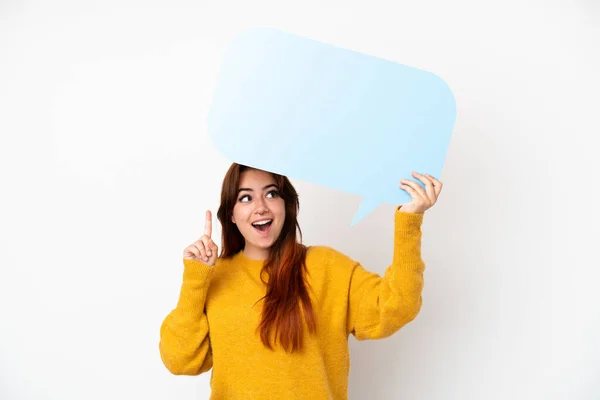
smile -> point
(263, 227)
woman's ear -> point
(232, 219)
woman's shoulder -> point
(328, 269)
(319, 253)
(225, 265)
(329, 257)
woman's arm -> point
(380, 306)
(184, 336)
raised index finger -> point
(208, 224)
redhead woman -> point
(270, 316)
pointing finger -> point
(208, 224)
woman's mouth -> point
(263, 227)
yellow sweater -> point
(214, 323)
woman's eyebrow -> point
(266, 187)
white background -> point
(106, 171)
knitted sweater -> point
(215, 320)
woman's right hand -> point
(204, 249)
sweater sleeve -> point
(380, 306)
(184, 336)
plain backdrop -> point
(106, 170)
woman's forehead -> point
(256, 177)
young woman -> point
(271, 316)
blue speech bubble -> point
(330, 116)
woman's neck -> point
(256, 254)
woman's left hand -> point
(422, 200)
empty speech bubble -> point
(330, 116)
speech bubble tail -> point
(365, 208)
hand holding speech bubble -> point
(330, 116)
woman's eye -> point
(275, 193)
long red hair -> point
(287, 289)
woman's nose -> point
(261, 206)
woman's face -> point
(258, 200)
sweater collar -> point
(241, 257)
